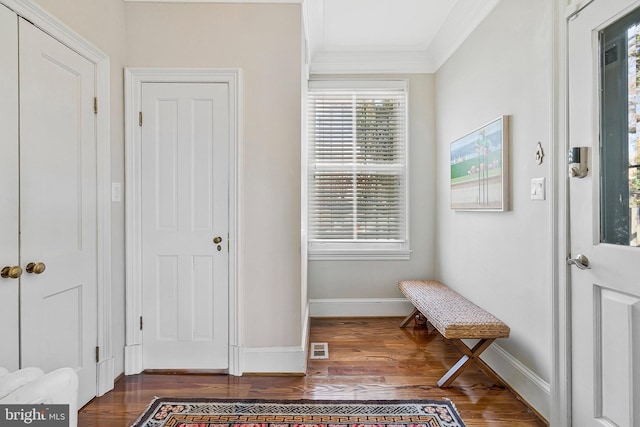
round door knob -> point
(11, 272)
(217, 240)
(36, 267)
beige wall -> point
(265, 42)
(379, 279)
(503, 68)
(101, 22)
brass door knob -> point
(11, 272)
(36, 267)
(217, 240)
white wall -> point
(502, 261)
(377, 280)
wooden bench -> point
(456, 318)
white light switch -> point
(116, 192)
(537, 189)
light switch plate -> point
(537, 189)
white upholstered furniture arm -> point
(56, 387)
(14, 380)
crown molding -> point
(461, 22)
(359, 62)
(313, 19)
(466, 15)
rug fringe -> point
(453, 405)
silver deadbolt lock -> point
(578, 162)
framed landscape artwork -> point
(479, 169)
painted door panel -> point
(605, 299)
(185, 152)
(58, 207)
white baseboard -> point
(246, 359)
(106, 375)
(306, 325)
(235, 360)
(274, 360)
(359, 307)
(533, 389)
(278, 360)
(132, 359)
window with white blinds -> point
(357, 181)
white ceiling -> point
(382, 36)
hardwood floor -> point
(369, 358)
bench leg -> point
(470, 355)
(409, 318)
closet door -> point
(9, 331)
(57, 208)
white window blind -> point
(357, 165)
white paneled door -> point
(604, 116)
(48, 204)
(9, 210)
(185, 225)
(58, 228)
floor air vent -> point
(319, 350)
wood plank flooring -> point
(369, 358)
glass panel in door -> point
(620, 132)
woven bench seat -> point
(450, 313)
(456, 318)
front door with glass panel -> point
(604, 115)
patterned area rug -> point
(181, 412)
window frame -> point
(378, 250)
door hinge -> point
(97, 354)
(140, 322)
(140, 118)
(95, 105)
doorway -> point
(182, 133)
(603, 119)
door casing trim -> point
(133, 80)
(560, 297)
